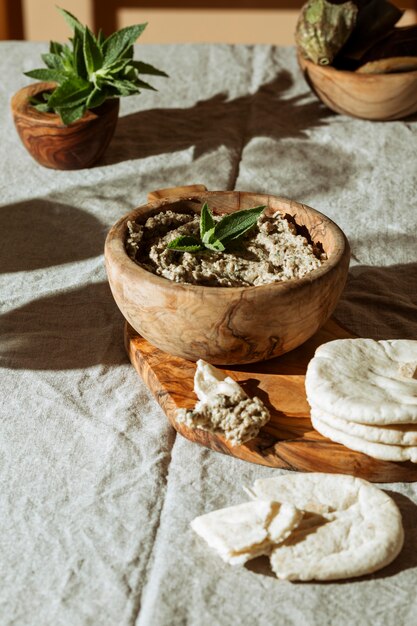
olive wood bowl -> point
(227, 325)
(54, 145)
(367, 96)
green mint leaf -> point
(73, 91)
(53, 61)
(120, 42)
(129, 53)
(116, 66)
(207, 222)
(40, 98)
(71, 114)
(39, 103)
(55, 47)
(100, 38)
(236, 224)
(146, 68)
(93, 57)
(91, 69)
(78, 57)
(215, 245)
(71, 20)
(47, 75)
(208, 236)
(67, 56)
(42, 108)
(185, 243)
(96, 98)
(122, 87)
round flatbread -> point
(399, 435)
(350, 527)
(381, 451)
(366, 381)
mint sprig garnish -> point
(90, 70)
(218, 236)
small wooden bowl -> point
(227, 325)
(367, 96)
(55, 145)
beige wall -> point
(43, 22)
(201, 25)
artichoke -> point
(323, 28)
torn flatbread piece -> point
(223, 407)
(243, 532)
(210, 382)
(366, 381)
(349, 528)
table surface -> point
(97, 490)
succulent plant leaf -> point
(323, 28)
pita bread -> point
(381, 451)
(350, 527)
(397, 435)
(243, 532)
(366, 381)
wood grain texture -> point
(227, 325)
(174, 192)
(288, 441)
(55, 145)
(367, 96)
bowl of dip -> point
(226, 308)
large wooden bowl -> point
(55, 145)
(367, 96)
(227, 325)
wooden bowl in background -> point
(227, 325)
(55, 145)
(367, 96)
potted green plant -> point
(67, 120)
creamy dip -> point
(272, 251)
(238, 418)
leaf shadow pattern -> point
(218, 121)
(42, 233)
(380, 302)
(71, 329)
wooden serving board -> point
(288, 441)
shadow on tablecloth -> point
(218, 121)
(42, 233)
(381, 302)
(82, 327)
(71, 329)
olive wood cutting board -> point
(288, 440)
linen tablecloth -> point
(97, 490)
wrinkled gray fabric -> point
(97, 492)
